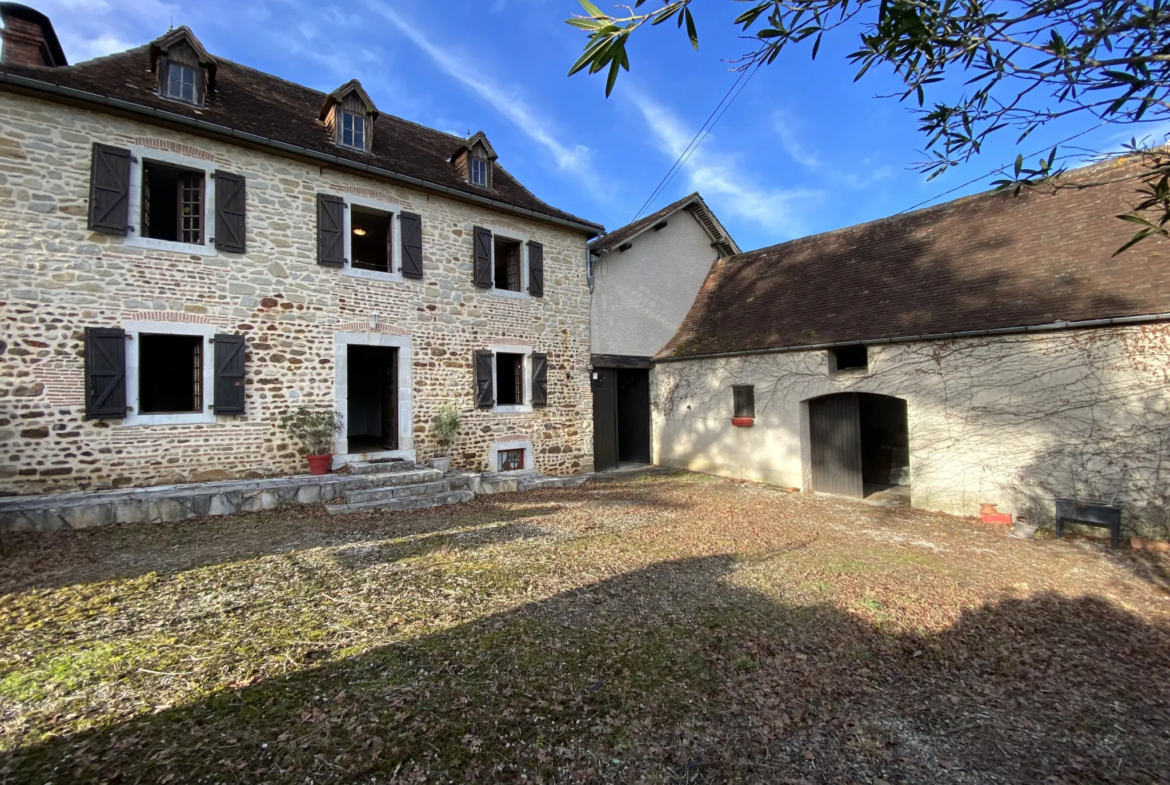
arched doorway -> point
(860, 446)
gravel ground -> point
(676, 628)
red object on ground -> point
(320, 464)
(743, 422)
(997, 517)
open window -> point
(170, 374)
(507, 263)
(509, 379)
(172, 203)
(848, 358)
(371, 239)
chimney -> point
(27, 37)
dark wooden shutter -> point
(539, 379)
(485, 396)
(229, 374)
(330, 230)
(412, 264)
(230, 212)
(484, 274)
(105, 373)
(535, 269)
(164, 75)
(109, 189)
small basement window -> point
(849, 358)
(511, 460)
(170, 374)
(370, 245)
(509, 379)
(743, 398)
(353, 130)
(172, 203)
(180, 83)
(507, 259)
(479, 171)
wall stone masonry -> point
(57, 278)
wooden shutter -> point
(230, 212)
(105, 373)
(485, 396)
(412, 264)
(229, 374)
(535, 269)
(109, 189)
(330, 230)
(484, 274)
(539, 379)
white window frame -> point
(133, 372)
(523, 239)
(487, 175)
(196, 75)
(499, 447)
(138, 158)
(395, 211)
(365, 120)
(512, 408)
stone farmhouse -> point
(992, 349)
(191, 248)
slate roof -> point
(989, 261)
(613, 240)
(258, 103)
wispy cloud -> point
(792, 144)
(573, 159)
(722, 179)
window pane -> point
(170, 373)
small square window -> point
(849, 358)
(353, 130)
(507, 264)
(511, 460)
(170, 374)
(370, 242)
(180, 84)
(479, 172)
(743, 398)
(172, 203)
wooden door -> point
(633, 415)
(835, 430)
(605, 435)
(389, 399)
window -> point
(507, 264)
(172, 203)
(371, 239)
(743, 400)
(353, 130)
(180, 83)
(170, 374)
(509, 379)
(848, 358)
(479, 171)
(511, 460)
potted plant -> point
(446, 424)
(315, 430)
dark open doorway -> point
(621, 417)
(372, 404)
(860, 446)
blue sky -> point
(804, 149)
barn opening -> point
(621, 416)
(372, 401)
(860, 446)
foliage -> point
(1024, 64)
(446, 423)
(314, 430)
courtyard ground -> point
(676, 629)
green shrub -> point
(446, 424)
(314, 430)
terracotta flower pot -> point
(320, 464)
(743, 422)
(987, 509)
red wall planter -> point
(743, 422)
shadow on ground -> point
(673, 674)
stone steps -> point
(399, 491)
(417, 502)
(381, 467)
(391, 480)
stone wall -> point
(57, 278)
(1014, 420)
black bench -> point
(1091, 513)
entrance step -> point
(380, 467)
(377, 482)
(399, 490)
(511, 482)
(409, 503)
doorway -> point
(621, 417)
(372, 400)
(860, 446)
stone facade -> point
(58, 278)
(1014, 420)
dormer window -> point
(474, 160)
(479, 172)
(185, 71)
(180, 84)
(353, 131)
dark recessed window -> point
(479, 172)
(509, 379)
(370, 243)
(850, 358)
(353, 130)
(511, 460)
(172, 203)
(180, 83)
(507, 258)
(743, 398)
(170, 374)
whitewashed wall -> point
(1011, 420)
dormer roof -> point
(479, 138)
(182, 35)
(338, 96)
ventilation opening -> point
(509, 379)
(172, 203)
(170, 374)
(507, 255)
(850, 358)
(370, 246)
